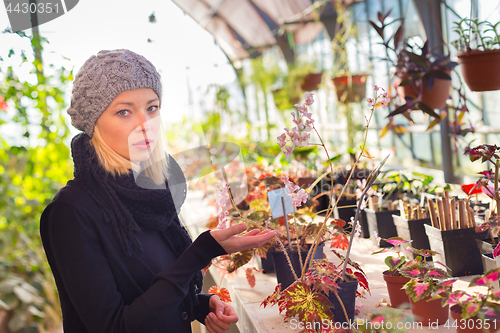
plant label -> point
(276, 204)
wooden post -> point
(432, 213)
(462, 216)
(453, 208)
(442, 222)
(446, 213)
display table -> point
(246, 300)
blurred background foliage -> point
(34, 163)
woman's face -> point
(130, 124)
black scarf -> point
(129, 207)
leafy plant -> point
(308, 298)
(416, 65)
(427, 280)
(305, 300)
(394, 263)
(488, 180)
(473, 35)
(380, 319)
(477, 304)
(34, 164)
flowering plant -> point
(473, 304)
(301, 297)
(304, 297)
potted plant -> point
(392, 277)
(488, 183)
(475, 311)
(428, 282)
(478, 53)
(303, 297)
(422, 77)
(349, 87)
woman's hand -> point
(231, 243)
(221, 316)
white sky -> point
(178, 42)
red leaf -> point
(363, 282)
(223, 293)
(338, 222)
(206, 268)
(250, 277)
(274, 297)
(471, 189)
(340, 242)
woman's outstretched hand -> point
(228, 239)
(221, 317)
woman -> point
(121, 260)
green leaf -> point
(425, 108)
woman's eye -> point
(122, 112)
(153, 108)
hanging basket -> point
(311, 81)
(350, 89)
(435, 98)
(481, 69)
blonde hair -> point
(155, 167)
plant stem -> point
(287, 258)
(497, 197)
(342, 305)
(297, 238)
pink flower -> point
(282, 140)
(369, 101)
(301, 108)
(3, 104)
(221, 198)
(287, 151)
(309, 98)
(297, 198)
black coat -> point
(101, 289)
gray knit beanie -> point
(102, 78)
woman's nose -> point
(144, 124)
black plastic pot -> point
(282, 269)
(457, 249)
(382, 223)
(365, 231)
(345, 213)
(267, 262)
(347, 294)
(413, 230)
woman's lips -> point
(143, 145)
